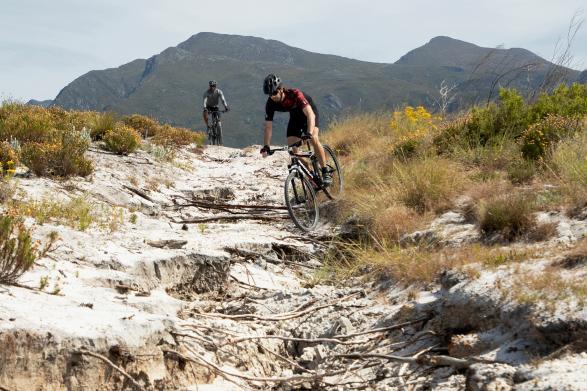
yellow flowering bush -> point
(24, 123)
(410, 128)
(146, 126)
(538, 139)
(63, 156)
(122, 139)
(8, 158)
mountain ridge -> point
(168, 85)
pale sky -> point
(46, 44)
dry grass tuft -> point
(412, 265)
(575, 258)
(428, 184)
(510, 216)
(548, 288)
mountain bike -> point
(215, 129)
(304, 183)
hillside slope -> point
(169, 85)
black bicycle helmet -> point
(212, 83)
(270, 84)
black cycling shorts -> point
(298, 123)
(211, 109)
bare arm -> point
(268, 132)
(223, 100)
(205, 100)
(311, 119)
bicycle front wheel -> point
(219, 133)
(300, 200)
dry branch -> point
(246, 285)
(113, 366)
(138, 192)
(429, 360)
(279, 317)
(198, 359)
(293, 339)
(213, 205)
(381, 329)
(230, 218)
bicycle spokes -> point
(301, 201)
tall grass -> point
(404, 168)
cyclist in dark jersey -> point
(303, 118)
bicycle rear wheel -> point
(300, 200)
(334, 191)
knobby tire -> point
(300, 200)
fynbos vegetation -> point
(17, 250)
(404, 170)
(53, 142)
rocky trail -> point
(179, 289)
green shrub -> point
(510, 215)
(72, 120)
(24, 123)
(62, 157)
(122, 140)
(539, 138)
(563, 101)
(146, 126)
(17, 251)
(100, 124)
(511, 118)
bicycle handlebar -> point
(218, 111)
(289, 147)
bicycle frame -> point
(215, 121)
(296, 163)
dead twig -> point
(293, 339)
(429, 360)
(198, 359)
(247, 285)
(280, 317)
(140, 193)
(287, 360)
(231, 218)
(113, 366)
(213, 205)
(381, 329)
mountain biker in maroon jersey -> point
(303, 118)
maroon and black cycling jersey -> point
(294, 101)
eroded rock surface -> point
(160, 301)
